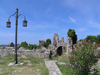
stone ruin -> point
(41, 42)
(55, 39)
(11, 44)
(69, 45)
(56, 47)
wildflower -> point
(82, 45)
(77, 56)
(81, 41)
(68, 60)
(98, 55)
(65, 71)
(88, 40)
(74, 72)
(75, 50)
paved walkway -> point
(52, 67)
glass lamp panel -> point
(8, 24)
(24, 23)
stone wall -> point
(22, 51)
(69, 45)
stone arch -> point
(59, 50)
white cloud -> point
(84, 6)
(81, 29)
(94, 24)
(72, 19)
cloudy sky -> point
(46, 17)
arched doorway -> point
(59, 50)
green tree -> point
(91, 38)
(24, 44)
(45, 45)
(48, 41)
(71, 33)
(35, 46)
(98, 39)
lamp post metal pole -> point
(8, 25)
(16, 36)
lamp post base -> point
(13, 64)
(16, 62)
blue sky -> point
(46, 17)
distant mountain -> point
(6, 45)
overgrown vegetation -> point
(46, 44)
(30, 47)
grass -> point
(31, 66)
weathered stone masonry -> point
(11, 50)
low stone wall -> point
(11, 50)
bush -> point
(83, 57)
(71, 33)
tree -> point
(91, 38)
(45, 45)
(48, 41)
(71, 33)
(24, 44)
(98, 39)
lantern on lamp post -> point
(8, 25)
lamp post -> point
(8, 25)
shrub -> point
(71, 33)
(83, 57)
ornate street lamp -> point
(8, 25)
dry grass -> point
(31, 66)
